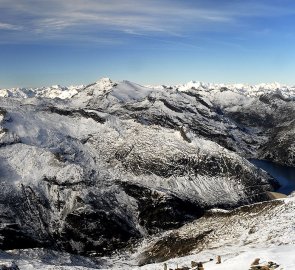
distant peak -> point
(102, 84)
(57, 86)
(104, 80)
(272, 85)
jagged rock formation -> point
(118, 161)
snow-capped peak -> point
(104, 83)
(57, 86)
(192, 85)
(271, 86)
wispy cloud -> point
(59, 19)
(8, 26)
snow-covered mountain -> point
(92, 169)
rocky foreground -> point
(263, 231)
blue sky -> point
(45, 42)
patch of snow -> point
(239, 258)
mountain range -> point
(103, 169)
